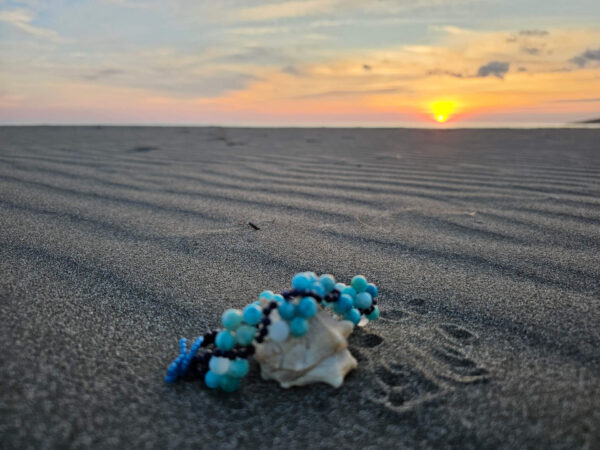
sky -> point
(299, 62)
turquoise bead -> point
(318, 289)
(239, 368)
(287, 310)
(298, 326)
(225, 340)
(344, 303)
(349, 291)
(312, 277)
(353, 316)
(363, 300)
(267, 295)
(279, 298)
(211, 379)
(359, 283)
(328, 282)
(232, 318)
(229, 383)
(374, 314)
(372, 289)
(301, 281)
(252, 314)
(245, 334)
(339, 286)
(307, 307)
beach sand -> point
(116, 242)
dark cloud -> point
(539, 33)
(495, 68)
(587, 56)
(522, 69)
(291, 70)
(350, 93)
(578, 100)
(102, 74)
(531, 50)
(446, 72)
(366, 67)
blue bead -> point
(225, 340)
(182, 346)
(318, 289)
(298, 326)
(328, 282)
(287, 310)
(229, 383)
(244, 335)
(301, 281)
(372, 289)
(353, 316)
(252, 314)
(312, 277)
(374, 314)
(363, 300)
(359, 283)
(339, 286)
(267, 295)
(238, 368)
(211, 379)
(349, 291)
(345, 303)
(307, 307)
(279, 298)
(232, 318)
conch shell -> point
(320, 355)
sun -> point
(442, 110)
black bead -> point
(266, 321)
(259, 339)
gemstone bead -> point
(318, 289)
(219, 365)
(279, 331)
(372, 289)
(353, 316)
(374, 315)
(245, 335)
(238, 368)
(298, 326)
(252, 314)
(328, 282)
(267, 295)
(232, 318)
(229, 383)
(312, 277)
(349, 291)
(301, 281)
(307, 307)
(339, 286)
(363, 300)
(344, 303)
(225, 340)
(287, 310)
(279, 298)
(211, 379)
(359, 283)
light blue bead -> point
(312, 277)
(279, 298)
(301, 281)
(318, 289)
(298, 326)
(363, 300)
(349, 291)
(359, 283)
(231, 319)
(339, 286)
(267, 295)
(225, 340)
(252, 314)
(328, 282)
(244, 335)
(211, 379)
(344, 303)
(353, 316)
(372, 289)
(238, 368)
(374, 314)
(287, 310)
(307, 307)
(229, 383)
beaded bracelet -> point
(220, 357)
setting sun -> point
(442, 110)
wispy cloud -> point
(495, 68)
(585, 57)
(21, 19)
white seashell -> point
(279, 331)
(320, 355)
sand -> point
(115, 242)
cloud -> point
(538, 33)
(366, 67)
(21, 19)
(531, 50)
(327, 94)
(446, 72)
(585, 57)
(102, 74)
(578, 100)
(272, 11)
(291, 70)
(495, 68)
